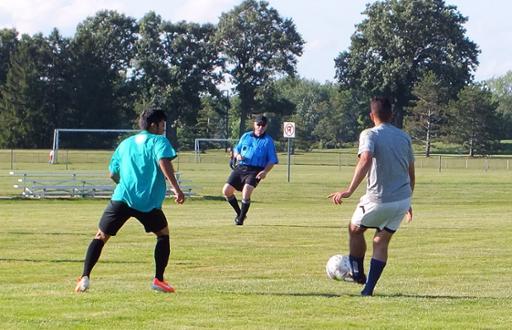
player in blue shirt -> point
(139, 166)
(256, 156)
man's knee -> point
(228, 190)
(163, 232)
(356, 230)
(382, 238)
(102, 236)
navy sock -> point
(357, 267)
(376, 268)
(162, 252)
(234, 204)
(246, 203)
(92, 255)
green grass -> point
(450, 268)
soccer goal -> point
(203, 144)
(57, 133)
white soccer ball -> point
(338, 267)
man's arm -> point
(412, 179)
(363, 166)
(168, 170)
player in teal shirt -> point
(139, 166)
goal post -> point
(54, 153)
(197, 145)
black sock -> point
(162, 252)
(92, 255)
(234, 204)
(246, 203)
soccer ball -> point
(338, 267)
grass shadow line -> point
(67, 261)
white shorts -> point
(386, 216)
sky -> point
(325, 25)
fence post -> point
(440, 164)
(12, 159)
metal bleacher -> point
(79, 184)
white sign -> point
(289, 129)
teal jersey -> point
(141, 181)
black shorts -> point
(243, 175)
(117, 213)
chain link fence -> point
(99, 159)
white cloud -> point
(33, 16)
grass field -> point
(450, 268)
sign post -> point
(289, 133)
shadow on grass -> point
(294, 294)
(428, 296)
(397, 295)
(299, 226)
(214, 198)
(42, 233)
(68, 261)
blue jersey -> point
(141, 181)
(258, 151)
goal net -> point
(201, 145)
(83, 138)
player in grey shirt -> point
(385, 155)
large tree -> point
(8, 43)
(258, 45)
(102, 49)
(23, 116)
(426, 114)
(398, 42)
(474, 121)
(501, 88)
(175, 64)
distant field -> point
(450, 268)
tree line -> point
(413, 51)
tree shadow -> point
(299, 226)
(47, 233)
(395, 295)
(67, 261)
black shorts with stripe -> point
(243, 175)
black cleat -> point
(238, 221)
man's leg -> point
(91, 258)
(357, 246)
(380, 256)
(162, 253)
(94, 251)
(229, 193)
(246, 203)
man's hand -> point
(179, 197)
(239, 157)
(338, 196)
(261, 175)
(408, 216)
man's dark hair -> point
(151, 116)
(381, 107)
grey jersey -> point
(391, 148)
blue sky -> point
(325, 25)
